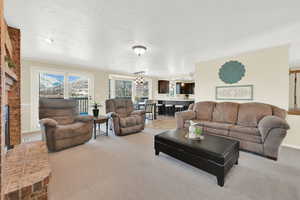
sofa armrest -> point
(271, 122)
(48, 122)
(138, 112)
(85, 118)
(181, 117)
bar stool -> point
(169, 109)
(179, 108)
(159, 108)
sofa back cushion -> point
(204, 110)
(226, 112)
(251, 113)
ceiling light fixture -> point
(49, 40)
(139, 79)
(139, 49)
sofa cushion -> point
(216, 131)
(216, 125)
(245, 130)
(251, 113)
(246, 137)
(130, 121)
(204, 110)
(226, 112)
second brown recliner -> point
(124, 119)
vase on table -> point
(96, 109)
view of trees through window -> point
(78, 86)
(51, 85)
(142, 90)
(123, 89)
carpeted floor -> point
(125, 168)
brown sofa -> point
(124, 119)
(61, 124)
(259, 127)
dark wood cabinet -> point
(185, 88)
(163, 87)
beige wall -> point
(100, 90)
(266, 69)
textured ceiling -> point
(177, 33)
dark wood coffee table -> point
(215, 155)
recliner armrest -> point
(85, 118)
(48, 122)
(181, 117)
(112, 114)
(271, 122)
(138, 112)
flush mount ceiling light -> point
(49, 40)
(139, 49)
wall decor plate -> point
(232, 72)
(238, 92)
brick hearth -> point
(27, 171)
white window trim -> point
(35, 71)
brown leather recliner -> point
(61, 124)
(124, 119)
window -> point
(78, 86)
(51, 85)
(142, 91)
(123, 89)
(294, 100)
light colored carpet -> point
(125, 168)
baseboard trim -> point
(291, 146)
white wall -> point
(267, 70)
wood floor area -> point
(162, 122)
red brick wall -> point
(14, 96)
(2, 91)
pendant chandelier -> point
(139, 79)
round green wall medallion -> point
(232, 72)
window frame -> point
(294, 110)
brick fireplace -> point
(24, 168)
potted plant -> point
(9, 62)
(96, 107)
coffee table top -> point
(214, 146)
